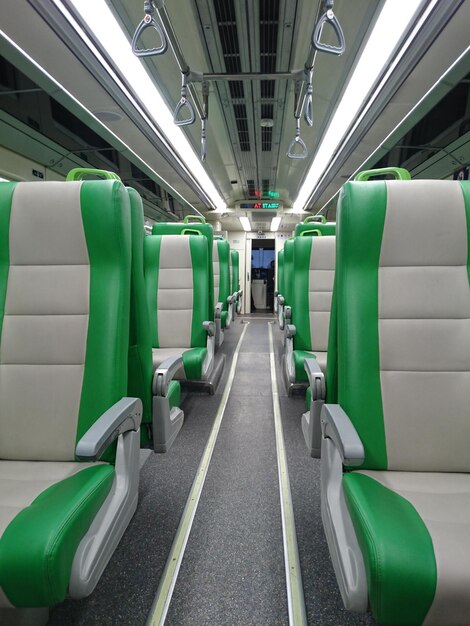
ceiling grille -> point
(268, 31)
(251, 186)
(266, 139)
(265, 185)
(226, 22)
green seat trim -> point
(324, 228)
(199, 260)
(300, 302)
(361, 216)
(192, 362)
(299, 360)
(280, 272)
(397, 549)
(140, 343)
(288, 272)
(332, 354)
(174, 393)
(224, 275)
(308, 398)
(6, 197)
(235, 280)
(105, 372)
(38, 546)
(223, 317)
(152, 247)
(172, 228)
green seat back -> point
(280, 272)
(64, 300)
(140, 343)
(177, 288)
(403, 322)
(314, 270)
(235, 279)
(289, 272)
(220, 258)
(177, 228)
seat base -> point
(24, 617)
(209, 385)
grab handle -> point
(314, 231)
(193, 219)
(190, 231)
(183, 104)
(321, 219)
(297, 142)
(79, 173)
(399, 173)
(329, 18)
(146, 23)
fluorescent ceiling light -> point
(108, 32)
(275, 223)
(392, 23)
(245, 222)
(4, 180)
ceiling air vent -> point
(251, 186)
(268, 30)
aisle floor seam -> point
(165, 589)
(294, 585)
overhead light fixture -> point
(392, 23)
(275, 223)
(266, 122)
(100, 19)
(246, 224)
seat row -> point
(98, 327)
(390, 414)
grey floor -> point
(233, 570)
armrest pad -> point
(218, 310)
(316, 379)
(290, 331)
(164, 374)
(231, 299)
(288, 312)
(337, 426)
(280, 299)
(125, 415)
(209, 327)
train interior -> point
(234, 292)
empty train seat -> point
(177, 288)
(235, 282)
(162, 417)
(313, 271)
(395, 455)
(288, 294)
(223, 298)
(65, 293)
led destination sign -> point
(260, 205)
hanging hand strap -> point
(146, 23)
(203, 139)
(184, 105)
(297, 143)
(308, 103)
(330, 18)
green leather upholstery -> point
(280, 272)
(289, 272)
(313, 268)
(64, 299)
(234, 276)
(220, 258)
(177, 288)
(140, 343)
(402, 359)
(172, 228)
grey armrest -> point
(123, 416)
(287, 312)
(209, 327)
(290, 330)
(231, 299)
(337, 426)
(218, 310)
(316, 379)
(164, 375)
(240, 293)
(280, 299)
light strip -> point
(392, 23)
(275, 223)
(246, 224)
(33, 62)
(108, 32)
